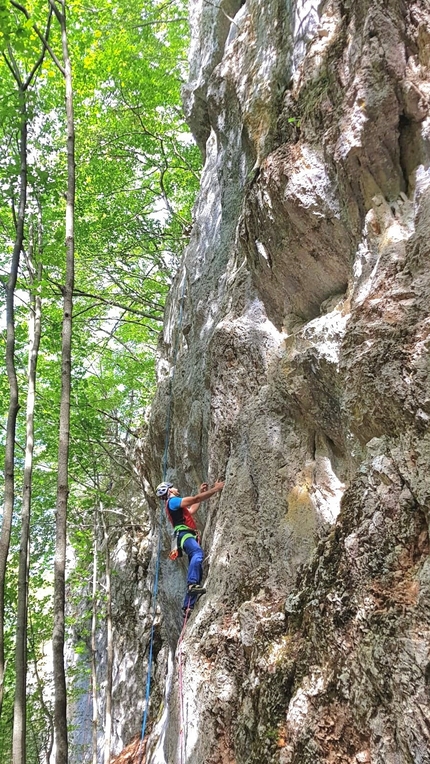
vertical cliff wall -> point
(301, 377)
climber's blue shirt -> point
(179, 516)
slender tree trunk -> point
(23, 84)
(93, 646)
(19, 715)
(48, 742)
(9, 482)
(109, 639)
(60, 710)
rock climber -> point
(180, 511)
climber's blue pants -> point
(195, 568)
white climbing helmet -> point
(162, 489)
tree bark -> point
(48, 741)
(109, 643)
(60, 707)
(9, 474)
(19, 714)
(23, 83)
(93, 646)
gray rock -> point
(301, 377)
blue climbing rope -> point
(160, 524)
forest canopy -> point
(135, 174)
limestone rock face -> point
(294, 364)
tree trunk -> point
(60, 710)
(23, 84)
(48, 742)
(19, 714)
(9, 482)
(93, 646)
(109, 641)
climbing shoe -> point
(196, 589)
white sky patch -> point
(185, 139)
(160, 212)
(161, 35)
(21, 298)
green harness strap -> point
(190, 535)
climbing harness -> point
(180, 534)
(157, 564)
(178, 541)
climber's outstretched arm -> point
(192, 503)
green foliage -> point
(137, 175)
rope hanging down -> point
(182, 740)
(160, 523)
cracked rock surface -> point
(302, 378)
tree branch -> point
(116, 304)
(12, 66)
(23, 10)
(42, 54)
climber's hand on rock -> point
(204, 487)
